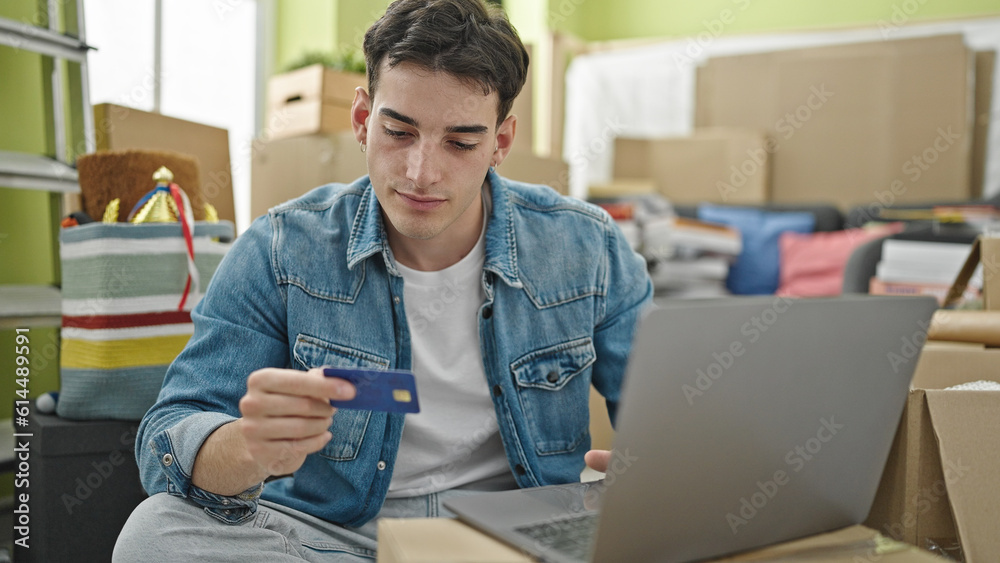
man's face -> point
(431, 139)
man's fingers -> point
(303, 384)
(284, 427)
(273, 404)
(598, 460)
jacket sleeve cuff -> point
(175, 450)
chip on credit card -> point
(385, 391)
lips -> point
(422, 203)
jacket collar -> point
(368, 232)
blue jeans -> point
(169, 528)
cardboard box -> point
(718, 165)
(443, 540)
(523, 108)
(524, 166)
(982, 109)
(989, 249)
(283, 169)
(310, 100)
(601, 432)
(985, 250)
(119, 127)
(858, 124)
(939, 483)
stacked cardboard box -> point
(857, 124)
(309, 141)
(719, 165)
(939, 485)
(120, 128)
(283, 169)
(314, 99)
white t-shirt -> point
(454, 439)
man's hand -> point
(598, 460)
(286, 417)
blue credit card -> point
(385, 391)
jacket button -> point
(552, 377)
(519, 469)
(487, 312)
(381, 465)
(395, 300)
(497, 391)
(168, 460)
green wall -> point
(305, 26)
(601, 20)
(28, 218)
(325, 24)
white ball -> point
(46, 404)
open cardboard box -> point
(445, 540)
(940, 482)
(310, 100)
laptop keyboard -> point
(571, 536)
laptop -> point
(744, 422)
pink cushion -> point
(813, 264)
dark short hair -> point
(464, 38)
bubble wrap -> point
(981, 385)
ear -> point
(360, 111)
(505, 139)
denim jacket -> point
(313, 283)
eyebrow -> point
(393, 114)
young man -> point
(505, 299)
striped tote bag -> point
(127, 295)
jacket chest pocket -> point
(349, 425)
(553, 386)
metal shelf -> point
(21, 35)
(30, 306)
(34, 172)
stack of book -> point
(686, 258)
(910, 267)
(689, 258)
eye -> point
(394, 133)
(464, 146)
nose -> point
(422, 164)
